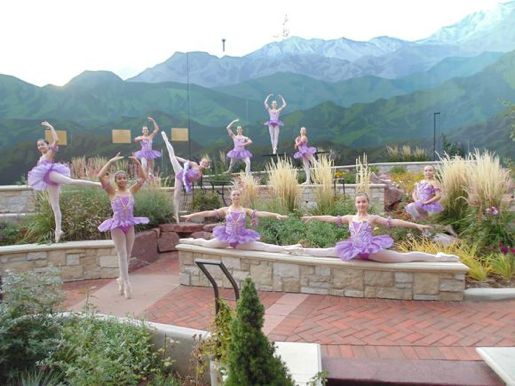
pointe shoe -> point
(440, 256)
(58, 235)
(119, 281)
(127, 290)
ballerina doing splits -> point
(122, 223)
(363, 245)
(185, 175)
(426, 196)
(48, 175)
(274, 123)
(239, 152)
(234, 232)
(305, 153)
(146, 154)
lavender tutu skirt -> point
(305, 152)
(432, 208)
(239, 154)
(39, 176)
(274, 123)
(234, 239)
(350, 249)
(147, 154)
(111, 223)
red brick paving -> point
(349, 327)
(77, 291)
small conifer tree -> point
(251, 354)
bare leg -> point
(175, 164)
(247, 166)
(53, 197)
(264, 247)
(120, 243)
(63, 180)
(389, 256)
(307, 170)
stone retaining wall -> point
(17, 199)
(77, 260)
(327, 276)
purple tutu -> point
(39, 176)
(146, 150)
(304, 151)
(234, 232)
(188, 176)
(123, 218)
(425, 192)
(274, 123)
(239, 154)
(361, 243)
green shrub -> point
(503, 265)
(398, 169)
(251, 355)
(97, 351)
(29, 329)
(155, 204)
(10, 233)
(205, 200)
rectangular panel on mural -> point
(121, 136)
(61, 134)
(180, 134)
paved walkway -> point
(352, 328)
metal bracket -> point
(202, 265)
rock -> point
(168, 241)
(202, 235)
(182, 227)
(210, 227)
(144, 250)
(392, 194)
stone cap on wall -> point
(90, 244)
(451, 267)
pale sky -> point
(51, 41)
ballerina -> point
(426, 196)
(234, 233)
(274, 123)
(305, 153)
(185, 175)
(363, 245)
(239, 152)
(49, 176)
(122, 223)
(146, 154)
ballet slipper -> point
(127, 290)
(58, 235)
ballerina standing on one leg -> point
(239, 152)
(234, 233)
(146, 154)
(48, 175)
(274, 123)
(305, 153)
(363, 245)
(185, 175)
(122, 223)
(426, 196)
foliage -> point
(205, 200)
(29, 329)
(96, 351)
(348, 176)
(283, 179)
(406, 154)
(217, 344)
(38, 377)
(323, 178)
(503, 265)
(293, 230)
(319, 379)
(251, 355)
(249, 188)
(452, 148)
(398, 169)
(338, 205)
(154, 203)
(363, 175)
(407, 180)
(9, 233)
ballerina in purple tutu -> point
(426, 196)
(146, 154)
(185, 175)
(305, 153)
(274, 123)
(363, 245)
(121, 225)
(234, 232)
(49, 176)
(239, 152)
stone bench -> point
(326, 275)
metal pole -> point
(188, 100)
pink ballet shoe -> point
(58, 235)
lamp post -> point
(188, 100)
(434, 134)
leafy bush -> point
(29, 329)
(251, 355)
(9, 233)
(283, 179)
(155, 204)
(406, 154)
(205, 200)
(97, 351)
(398, 169)
(503, 265)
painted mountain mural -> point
(352, 96)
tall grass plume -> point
(283, 180)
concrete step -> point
(501, 360)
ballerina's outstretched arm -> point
(156, 127)
(284, 104)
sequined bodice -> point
(360, 232)
(235, 221)
(123, 207)
(146, 144)
(425, 191)
(274, 114)
(239, 142)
